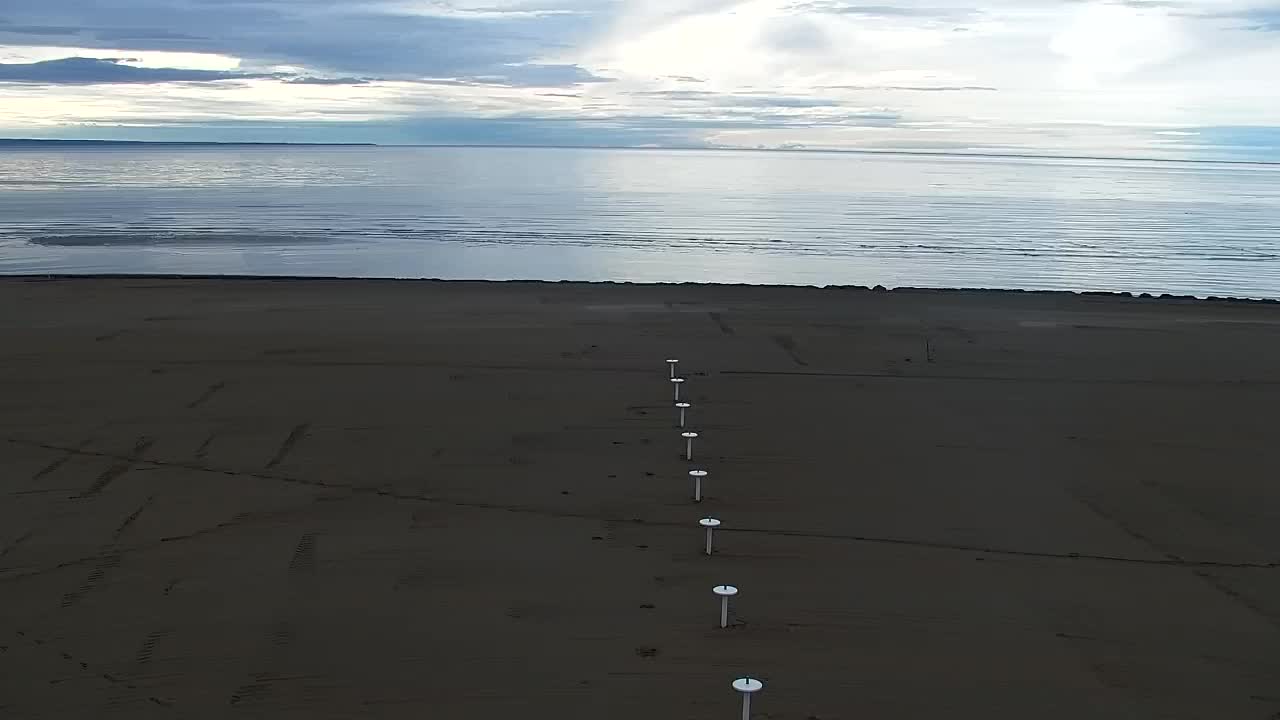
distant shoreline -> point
(38, 143)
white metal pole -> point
(697, 476)
(725, 592)
(747, 687)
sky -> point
(1135, 78)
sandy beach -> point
(380, 499)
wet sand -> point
(336, 499)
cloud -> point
(147, 34)
(743, 100)
(54, 30)
(102, 34)
(837, 7)
(118, 71)
(91, 71)
(840, 119)
(1260, 19)
(913, 88)
(774, 101)
(103, 71)
(307, 80)
(1145, 4)
(404, 40)
(760, 110)
(677, 95)
(539, 75)
(797, 35)
(521, 76)
(442, 8)
(1030, 74)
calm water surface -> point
(556, 214)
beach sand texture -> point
(337, 499)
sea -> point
(645, 215)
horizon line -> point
(10, 142)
